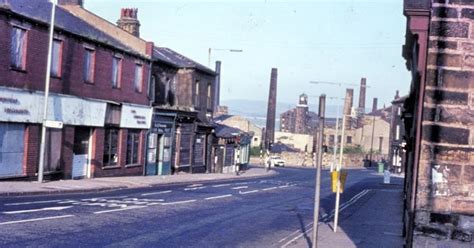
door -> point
(152, 149)
(11, 149)
(80, 161)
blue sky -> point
(322, 40)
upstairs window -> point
(89, 65)
(196, 94)
(116, 71)
(56, 58)
(138, 83)
(18, 48)
(209, 95)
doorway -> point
(81, 152)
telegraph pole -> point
(318, 161)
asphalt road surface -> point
(265, 212)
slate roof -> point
(222, 118)
(176, 59)
(39, 11)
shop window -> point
(111, 147)
(138, 77)
(18, 48)
(116, 71)
(133, 143)
(56, 58)
(89, 64)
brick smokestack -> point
(71, 2)
(217, 93)
(348, 101)
(374, 105)
(128, 21)
(271, 110)
(361, 107)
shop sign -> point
(134, 116)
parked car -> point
(277, 161)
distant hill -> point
(256, 110)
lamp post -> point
(220, 49)
(46, 93)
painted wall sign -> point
(24, 106)
(134, 116)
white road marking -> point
(195, 188)
(67, 202)
(120, 209)
(37, 219)
(27, 203)
(158, 193)
(342, 207)
(248, 192)
(284, 186)
(240, 187)
(293, 233)
(242, 183)
(195, 185)
(103, 198)
(37, 210)
(221, 185)
(271, 188)
(218, 197)
(177, 202)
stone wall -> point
(445, 192)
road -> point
(266, 212)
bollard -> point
(386, 177)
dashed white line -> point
(37, 210)
(218, 197)
(195, 188)
(221, 185)
(177, 202)
(37, 219)
(271, 188)
(284, 186)
(157, 193)
(32, 202)
(119, 209)
(240, 187)
(195, 185)
(248, 192)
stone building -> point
(299, 120)
(243, 124)
(438, 115)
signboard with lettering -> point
(134, 116)
(24, 106)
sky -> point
(320, 40)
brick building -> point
(300, 119)
(438, 116)
(98, 90)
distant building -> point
(300, 142)
(300, 119)
(243, 124)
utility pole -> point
(46, 94)
(318, 161)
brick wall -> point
(445, 194)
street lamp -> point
(220, 49)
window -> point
(116, 71)
(331, 138)
(111, 147)
(56, 58)
(209, 96)
(133, 143)
(196, 94)
(349, 139)
(138, 77)
(380, 144)
(18, 48)
(89, 64)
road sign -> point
(53, 124)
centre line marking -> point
(240, 187)
(177, 202)
(37, 210)
(218, 197)
(271, 188)
(37, 219)
(157, 193)
(221, 185)
(248, 192)
(120, 209)
(27, 203)
(195, 188)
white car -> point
(277, 161)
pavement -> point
(19, 188)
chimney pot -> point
(128, 21)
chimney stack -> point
(363, 87)
(374, 105)
(217, 93)
(348, 102)
(128, 21)
(397, 95)
(71, 2)
(271, 110)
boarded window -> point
(89, 64)
(116, 71)
(133, 144)
(138, 77)
(111, 147)
(56, 60)
(11, 149)
(52, 159)
(18, 48)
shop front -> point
(159, 147)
